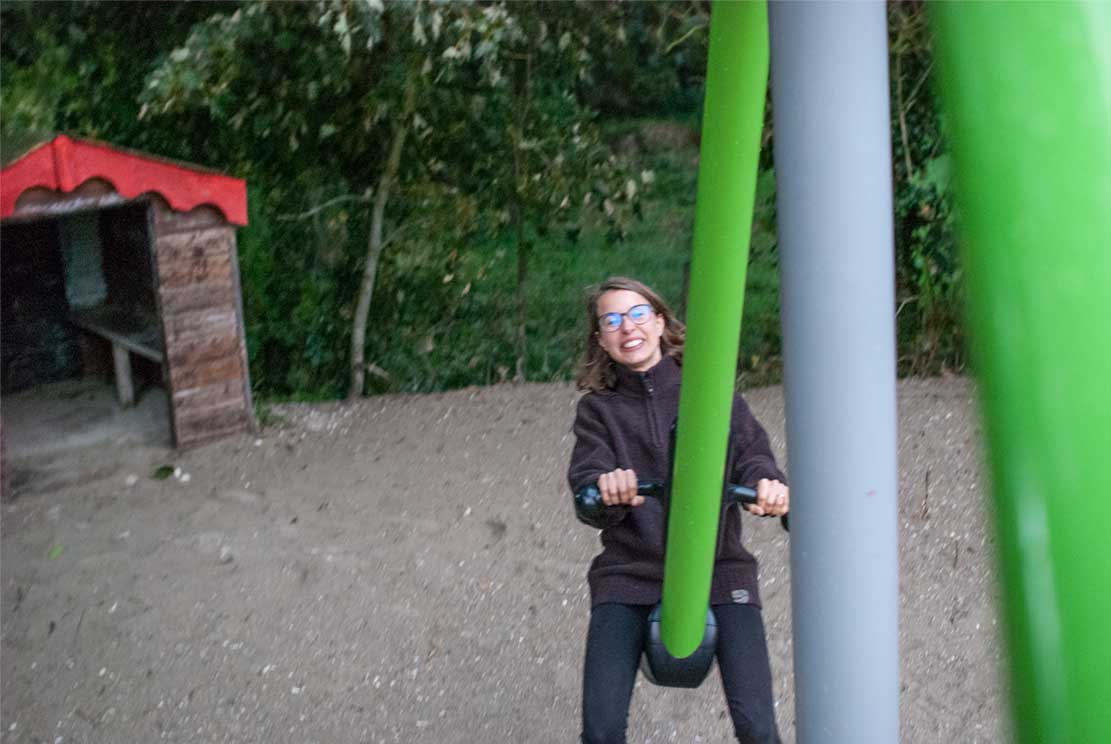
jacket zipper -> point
(650, 391)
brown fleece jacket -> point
(629, 427)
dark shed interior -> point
(57, 270)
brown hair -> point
(597, 371)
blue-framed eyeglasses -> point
(639, 314)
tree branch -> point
(902, 113)
(918, 86)
(363, 199)
(684, 37)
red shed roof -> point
(64, 163)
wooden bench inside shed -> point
(129, 333)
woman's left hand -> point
(773, 499)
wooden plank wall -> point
(206, 354)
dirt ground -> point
(408, 569)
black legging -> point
(613, 647)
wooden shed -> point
(133, 257)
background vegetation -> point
(433, 186)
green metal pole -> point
(736, 82)
(1027, 87)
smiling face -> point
(634, 346)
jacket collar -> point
(665, 374)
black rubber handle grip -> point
(740, 494)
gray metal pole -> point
(833, 166)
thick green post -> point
(736, 82)
(1027, 87)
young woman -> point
(630, 373)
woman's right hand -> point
(619, 487)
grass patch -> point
(446, 317)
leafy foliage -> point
(80, 67)
(928, 270)
(547, 145)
